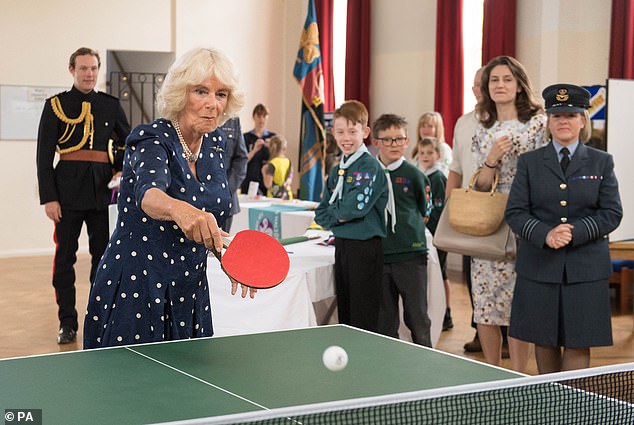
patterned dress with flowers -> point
(493, 281)
(151, 284)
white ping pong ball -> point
(335, 358)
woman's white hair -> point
(191, 69)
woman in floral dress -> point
(511, 122)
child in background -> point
(405, 246)
(430, 124)
(353, 208)
(277, 174)
(427, 157)
(257, 143)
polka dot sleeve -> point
(149, 162)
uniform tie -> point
(565, 159)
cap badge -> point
(562, 95)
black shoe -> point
(66, 335)
(447, 322)
(473, 346)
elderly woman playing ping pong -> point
(151, 284)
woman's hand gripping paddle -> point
(254, 259)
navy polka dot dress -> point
(151, 284)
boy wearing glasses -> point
(405, 247)
(353, 208)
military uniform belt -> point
(85, 155)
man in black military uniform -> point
(86, 128)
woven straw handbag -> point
(500, 245)
(476, 213)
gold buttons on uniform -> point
(563, 186)
(564, 219)
(341, 172)
(563, 203)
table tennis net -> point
(592, 396)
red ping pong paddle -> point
(254, 259)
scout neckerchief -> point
(343, 165)
(390, 208)
(429, 171)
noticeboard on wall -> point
(619, 144)
(21, 109)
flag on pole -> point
(308, 73)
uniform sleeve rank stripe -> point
(591, 226)
(528, 228)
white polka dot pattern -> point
(154, 274)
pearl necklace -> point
(189, 155)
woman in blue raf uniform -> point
(151, 284)
(563, 203)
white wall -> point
(564, 41)
(36, 39)
(619, 133)
(403, 59)
(557, 40)
(262, 38)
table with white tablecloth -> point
(290, 304)
(310, 280)
(293, 221)
(286, 306)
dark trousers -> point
(66, 238)
(227, 225)
(358, 277)
(409, 280)
(466, 268)
(442, 259)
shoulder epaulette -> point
(108, 95)
(62, 93)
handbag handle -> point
(494, 186)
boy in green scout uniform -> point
(428, 155)
(353, 208)
(405, 246)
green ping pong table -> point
(232, 379)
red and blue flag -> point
(309, 74)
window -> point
(472, 20)
(339, 16)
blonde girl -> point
(277, 174)
(430, 124)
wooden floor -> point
(28, 320)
